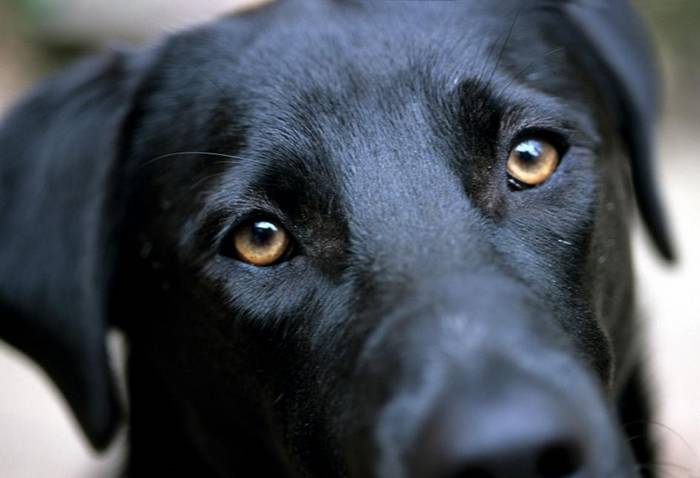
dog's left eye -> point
(259, 242)
(531, 162)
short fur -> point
(424, 293)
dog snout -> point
(479, 380)
(521, 433)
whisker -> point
(667, 428)
(525, 68)
(185, 153)
(502, 50)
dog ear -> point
(611, 32)
(59, 151)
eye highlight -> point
(531, 162)
(260, 243)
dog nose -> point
(530, 460)
(521, 435)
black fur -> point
(427, 302)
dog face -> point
(346, 240)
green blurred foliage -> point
(676, 23)
(36, 9)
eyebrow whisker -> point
(525, 68)
(185, 153)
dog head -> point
(344, 239)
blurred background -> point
(39, 439)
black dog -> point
(366, 239)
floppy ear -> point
(611, 31)
(59, 150)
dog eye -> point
(531, 163)
(260, 243)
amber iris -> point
(532, 162)
(260, 243)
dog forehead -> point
(311, 61)
(365, 82)
(299, 46)
(359, 90)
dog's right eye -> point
(258, 242)
(531, 162)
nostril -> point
(525, 434)
(559, 460)
(473, 472)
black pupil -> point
(262, 233)
(529, 151)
